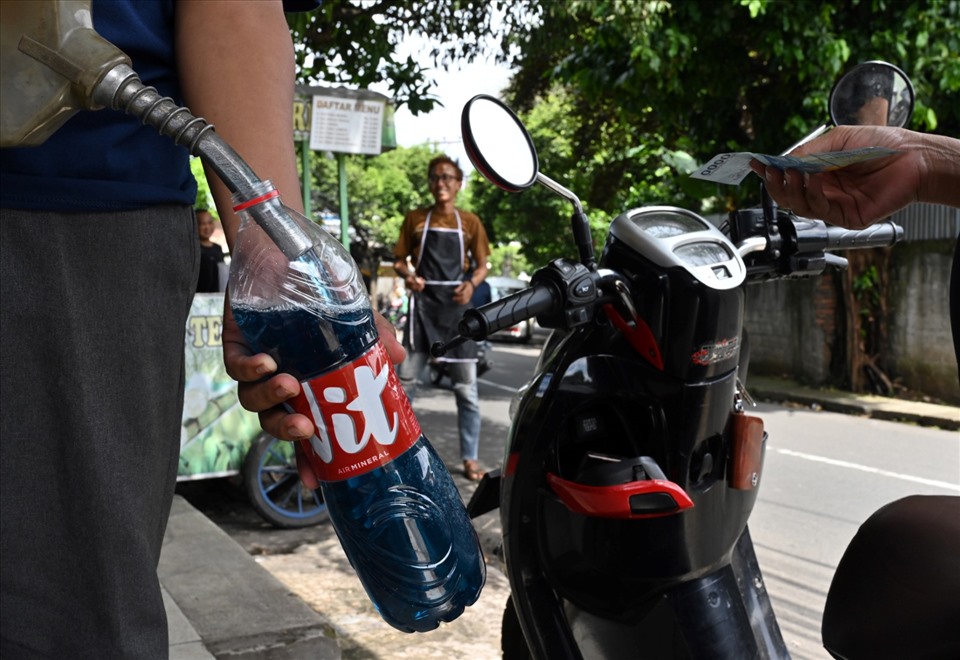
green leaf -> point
(681, 161)
(756, 7)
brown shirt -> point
(475, 241)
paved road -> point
(824, 474)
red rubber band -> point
(256, 200)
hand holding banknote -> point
(731, 169)
(917, 167)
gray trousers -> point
(92, 315)
(464, 377)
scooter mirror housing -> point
(872, 94)
(502, 150)
(498, 144)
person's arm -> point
(464, 293)
(401, 253)
(942, 183)
(480, 251)
(237, 71)
(926, 169)
(236, 67)
(410, 279)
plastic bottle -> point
(396, 510)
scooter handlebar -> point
(802, 246)
(480, 322)
(882, 234)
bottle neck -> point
(268, 212)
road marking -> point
(872, 470)
(490, 383)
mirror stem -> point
(560, 190)
(579, 222)
(583, 239)
(816, 133)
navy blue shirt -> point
(106, 160)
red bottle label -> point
(362, 417)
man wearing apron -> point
(436, 248)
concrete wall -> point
(796, 327)
(921, 348)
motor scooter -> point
(632, 464)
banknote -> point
(733, 168)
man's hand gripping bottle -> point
(393, 503)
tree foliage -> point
(356, 42)
(641, 90)
(381, 190)
(737, 72)
(649, 87)
(624, 97)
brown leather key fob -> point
(746, 449)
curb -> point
(234, 605)
(876, 407)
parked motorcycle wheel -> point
(512, 643)
(273, 485)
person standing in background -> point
(433, 255)
(211, 254)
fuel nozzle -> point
(54, 63)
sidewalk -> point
(779, 390)
(222, 604)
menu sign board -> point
(345, 125)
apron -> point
(433, 315)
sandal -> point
(472, 471)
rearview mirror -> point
(498, 144)
(872, 94)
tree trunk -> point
(865, 312)
(851, 308)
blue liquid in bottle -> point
(402, 528)
(402, 524)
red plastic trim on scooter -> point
(650, 498)
(639, 335)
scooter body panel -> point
(596, 403)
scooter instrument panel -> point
(670, 237)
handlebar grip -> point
(882, 234)
(482, 321)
